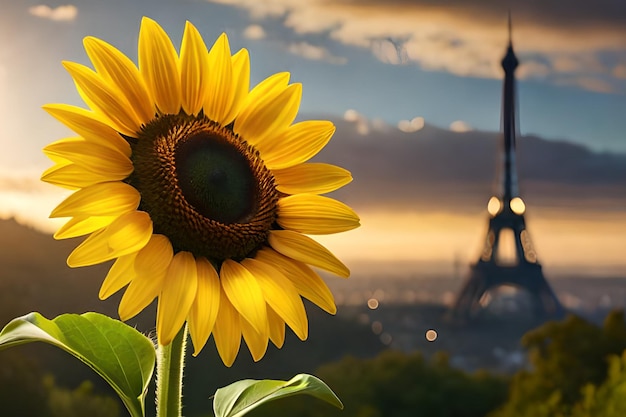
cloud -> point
(260, 9)
(254, 32)
(460, 126)
(358, 120)
(66, 12)
(363, 125)
(533, 69)
(315, 53)
(466, 38)
(28, 200)
(413, 125)
(576, 63)
(590, 83)
(619, 71)
(390, 51)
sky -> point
(380, 64)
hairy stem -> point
(170, 364)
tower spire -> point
(508, 175)
(510, 30)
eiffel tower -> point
(518, 267)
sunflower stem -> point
(169, 377)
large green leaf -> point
(120, 354)
(240, 397)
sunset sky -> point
(381, 65)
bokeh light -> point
(431, 335)
(518, 206)
(377, 327)
(494, 206)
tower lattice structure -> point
(517, 267)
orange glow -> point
(570, 237)
(518, 206)
(506, 253)
(494, 206)
(529, 250)
(576, 240)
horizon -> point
(367, 260)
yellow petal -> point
(257, 342)
(155, 257)
(177, 296)
(91, 126)
(271, 86)
(220, 92)
(315, 214)
(128, 233)
(58, 161)
(313, 178)
(306, 281)
(93, 156)
(241, 83)
(121, 273)
(72, 176)
(159, 66)
(244, 293)
(193, 70)
(105, 98)
(139, 294)
(277, 328)
(105, 199)
(299, 143)
(151, 265)
(304, 249)
(227, 331)
(206, 305)
(83, 225)
(281, 295)
(270, 115)
(119, 70)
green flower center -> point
(204, 187)
(215, 178)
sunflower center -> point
(204, 187)
(215, 178)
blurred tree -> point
(25, 391)
(608, 399)
(21, 391)
(79, 402)
(564, 356)
(395, 384)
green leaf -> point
(240, 397)
(120, 354)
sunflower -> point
(198, 188)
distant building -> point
(508, 259)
